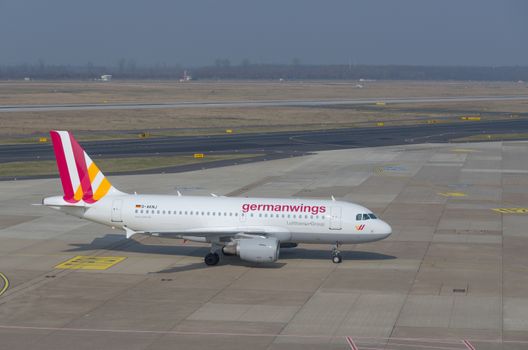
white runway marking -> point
(468, 345)
(351, 343)
(431, 341)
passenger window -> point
(186, 213)
(236, 214)
(251, 215)
(230, 214)
(180, 212)
(141, 211)
(266, 215)
(214, 214)
(365, 217)
(358, 217)
(164, 212)
(311, 216)
(158, 211)
(260, 215)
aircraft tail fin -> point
(80, 177)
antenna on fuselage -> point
(179, 193)
(333, 198)
(214, 195)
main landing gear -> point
(213, 257)
(336, 254)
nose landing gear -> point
(336, 254)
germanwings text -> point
(312, 209)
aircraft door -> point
(117, 206)
(335, 218)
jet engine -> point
(258, 249)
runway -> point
(252, 104)
(279, 144)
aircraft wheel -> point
(337, 259)
(211, 259)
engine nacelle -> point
(256, 249)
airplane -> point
(254, 229)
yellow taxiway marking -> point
(6, 283)
(511, 210)
(82, 262)
(452, 194)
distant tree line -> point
(223, 69)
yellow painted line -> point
(471, 117)
(452, 194)
(6, 283)
(511, 210)
(378, 169)
(82, 262)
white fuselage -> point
(189, 217)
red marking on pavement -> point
(351, 343)
(468, 345)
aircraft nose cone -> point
(386, 229)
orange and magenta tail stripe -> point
(62, 164)
(80, 177)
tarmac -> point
(453, 275)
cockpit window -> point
(367, 216)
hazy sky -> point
(196, 32)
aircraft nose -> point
(385, 229)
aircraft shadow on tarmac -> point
(115, 242)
